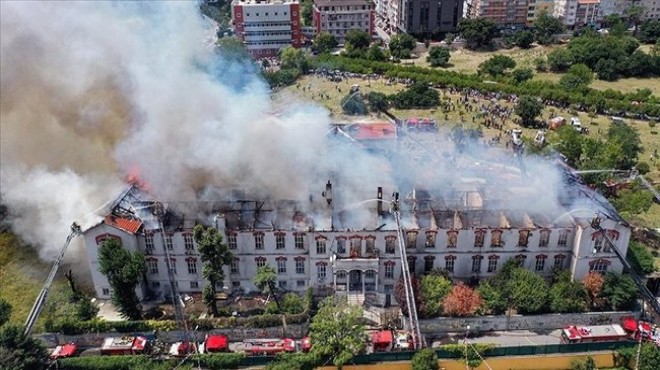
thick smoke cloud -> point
(94, 91)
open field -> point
(467, 61)
(22, 275)
(333, 92)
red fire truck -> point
(382, 340)
(593, 333)
(124, 346)
(180, 349)
(216, 343)
(269, 347)
(64, 351)
(306, 344)
(641, 330)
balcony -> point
(358, 263)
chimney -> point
(327, 194)
(379, 196)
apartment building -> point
(424, 17)
(578, 13)
(267, 26)
(537, 7)
(505, 13)
(340, 16)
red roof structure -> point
(139, 343)
(66, 350)
(629, 324)
(130, 225)
(216, 343)
(373, 131)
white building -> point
(319, 246)
(578, 13)
(267, 26)
(340, 16)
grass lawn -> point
(467, 61)
(598, 126)
(22, 275)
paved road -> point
(511, 338)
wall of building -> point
(340, 16)
(424, 17)
(505, 13)
(443, 325)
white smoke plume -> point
(92, 91)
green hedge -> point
(216, 361)
(590, 99)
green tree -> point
(336, 331)
(524, 39)
(449, 38)
(528, 291)
(232, 48)
(497, 65)
(606, 70)
(528, 108)
(570, 144)
(294, 361)
(123, 270)
(215, 255)
(520, 75)
(5, 311)
(578, 76)
(640, 258)
(546, 27)
(494, 300)
(634, 13)
(264, 279)
(568, 296)
(306, 12)
(374, 52)
(353, 105)
(633, 201)
(425, 359)
(619, 290)
(649, 357)
(377, 101)
(418, 95)
(86, 310)
(477, 32)
(433, 289)
(627, 138)
(292, 303)
(649, 31)
(438, 56)
(357, 40)
(401, 45)
(324, 42)
(559, 60)
(19, 351)
(292, 58)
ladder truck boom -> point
(643, 290)
(41, 298)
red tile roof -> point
(130, 225)
(373, 131)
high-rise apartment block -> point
(267, 26)
(340, 16)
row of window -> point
(169, 244)
(266, 14)
(411, 240)
(345, 8)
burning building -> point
(345, 239)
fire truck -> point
(382, 341)
(641, 330)
(269, 347)
(306, 344)
(215, 343)
(124, 346)
(593, 333)
(64, 351)
(180, 349)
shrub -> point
(652, 124)
(426, 359)
(264, 321)
(219, 361)
(162, 325)
(114, 363)
(643, 167)
(130, 326)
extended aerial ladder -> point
(407, 281)
(159, 212)
(643, 290)
(41, 298)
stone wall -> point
(296, 331)
(444, 325)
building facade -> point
(578, 13)
(505, 13)
(340, 16)
(424, 17)
(538, 7)
(267, 26)
(471, 244)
